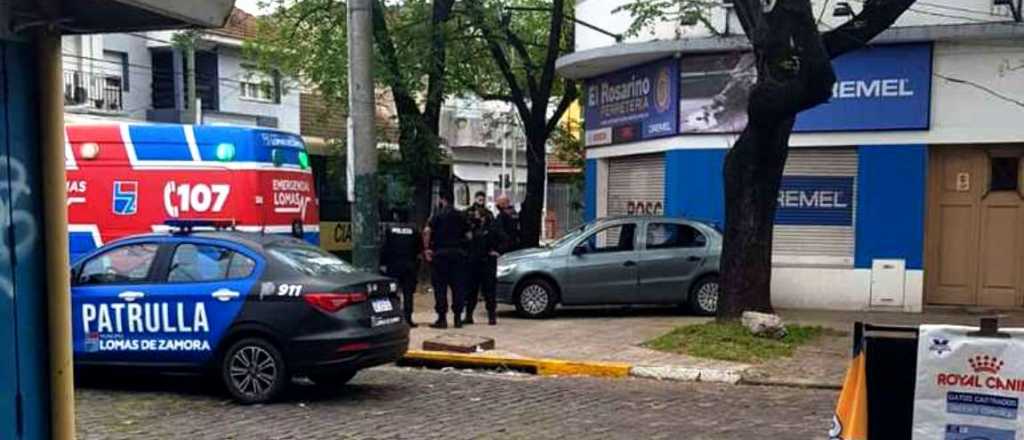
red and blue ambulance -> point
(132, 178)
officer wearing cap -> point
(445, 239)
(399, 258)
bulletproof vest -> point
(401, 241)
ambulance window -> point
(125, 264)
(198, 263)
(241, 266)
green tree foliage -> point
(647, 13)
(307, 39)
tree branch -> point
(518, 96)
(438, 53)
(404, 102)
(876, 17)
(554, 50)
(520, 49)
(571, 92)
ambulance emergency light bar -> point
(186, 226)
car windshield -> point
(310, 260)
(568, 237)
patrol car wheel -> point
(536, 299)
(332, 380)
(253, 371)
(704, 296)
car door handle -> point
(130, 295)
(693, 258)
(629, 263)
(225, 295)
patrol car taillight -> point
(333, 302)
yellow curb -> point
(543, 367)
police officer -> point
(445, 239)
(399, 258)
(483, 260)
(507, 225)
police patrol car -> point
(254, 309)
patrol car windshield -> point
(310, 260)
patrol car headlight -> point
(505, 269)
(393, 287)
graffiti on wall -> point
(14, 214)
(645, 207)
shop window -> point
(1005, 173)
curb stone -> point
(687, 374)
(791, 383)
(556, 367)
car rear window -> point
(310, 260)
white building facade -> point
(140, 76)
(904, 191)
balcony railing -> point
(94, 91)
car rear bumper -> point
(341, 351)
(505, 291)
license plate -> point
(382, 305)
(377, 322)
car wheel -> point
(704, 296)
(253, 371)
(332, 380)
(536, 299)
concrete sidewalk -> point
(609, 340)
(593, 335)
(823, 363)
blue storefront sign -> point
(633, 104)
(815, 200)
(877, 88)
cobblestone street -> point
(391, 403)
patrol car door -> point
(603, 268)
(106, 289)
(210, 280)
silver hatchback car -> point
(621, 260)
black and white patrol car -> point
(253, 309)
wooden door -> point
(955, 176)
(975, 236)
(1002, 227)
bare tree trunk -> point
(421, 199)
(531, 215)
(753, 174)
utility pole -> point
(186, 41)
(190, 84)
(363, 146)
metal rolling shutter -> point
(818, 244)
(636, 185)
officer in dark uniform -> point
(507, 225)
(483, 260)
(445, 240)
(400, 258)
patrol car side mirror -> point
(579, 250)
